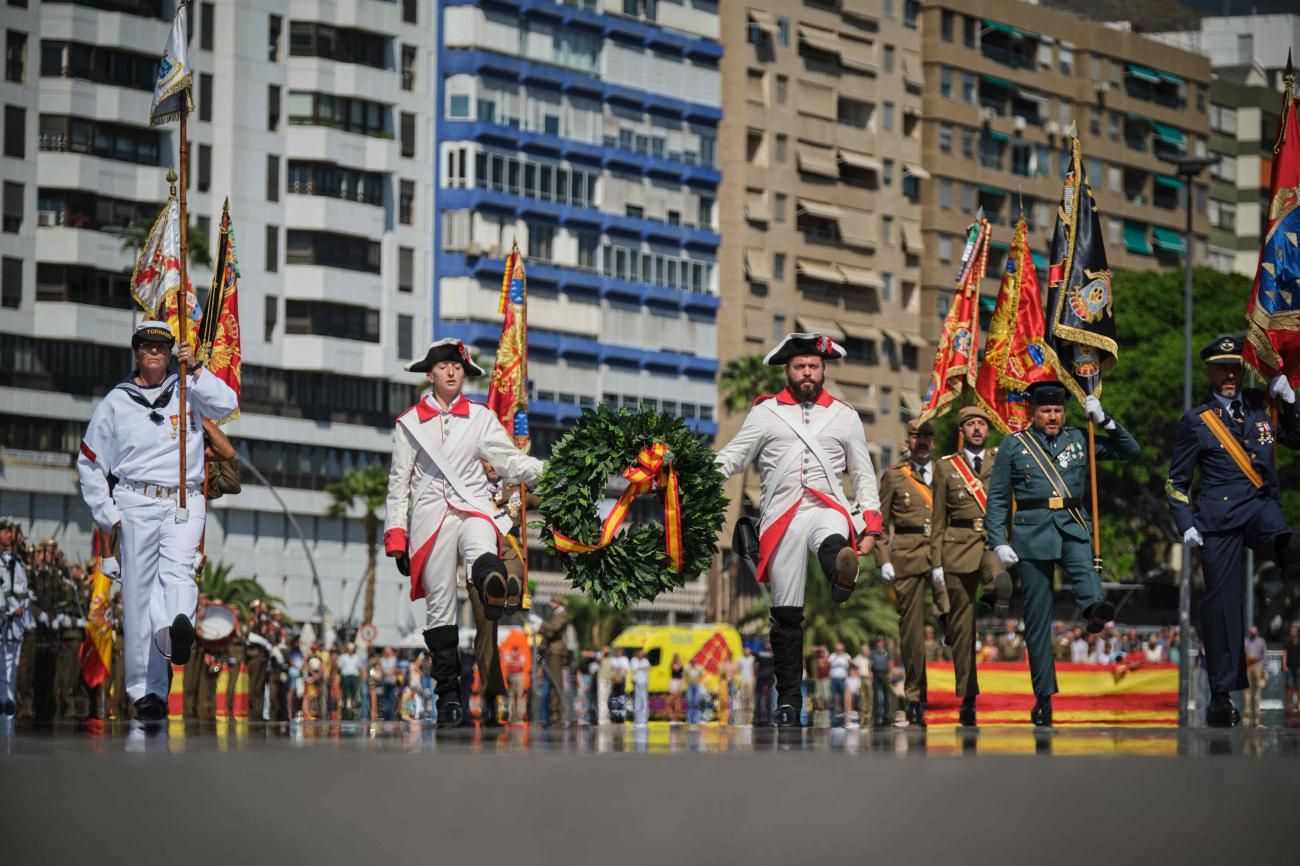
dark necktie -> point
(1235, 410)
(979, 464)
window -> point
(405, 269)
(945, 248)
(409, 11)
(15, 131)
(405, 336)
(207, 25)
(333, 250)
(783, 32)
(886, 229)
(270, 312)
(967, 198)
(853, 112)
(969, 29)
(205, 167)
(887, 172)
(406, 203)
(274, 27)
(335, 181)
(272, 249)
(541, 241)
(887, 286)
(205, 96)
(458, 107)
(408, 134)
(273, 107)
(272, 177)
(340, 44)
(11, 283)
(349, 114)
(408, 67)
(705, 219)
(888, 58)
(13, 207)
(778, 267)
(325, 319)
(15, 56)
(911, 9)
(967, 142)
(1066, 57)
(780, 90)
(887, 116)
(945, 193)
(946, 74)
(780, 149)
(946, 25)
(778, 207)
(945, 137)
(969, 88)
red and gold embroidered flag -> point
(97, 647)
(955, 356)
(508, 393)
(220, 341)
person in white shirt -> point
(1153, 651)
(439, 506)
(840, 662)
(640, 666)
(133, 437)
(1079, 647)
(862, 670)
(15, 617)
(803, 440)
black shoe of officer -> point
(1042, 714)
(1002, 589)
(916, 713)
(787, 716)
(945, 639)
(182, 638)
(8, 708)
(1098, 615)
(151, 708)
(966, 715)
(488, 574)
(1221, 713)
(840, 562)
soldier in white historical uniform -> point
(14, 614)
(132, 437)
(440, 505)
(803, 440)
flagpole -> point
(1096, 513)
(182, 315)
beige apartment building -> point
(1004, 80)
(820, 150)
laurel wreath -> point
(635, 565)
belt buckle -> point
(925, 529)
(978, 525)
(1056, 503)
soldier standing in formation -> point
(958, 553)
(1043, 473)
(1231, 438)
(257, 652)
(905, 557)
(14, 616)
(803, 441)
(551, 680)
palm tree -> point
(196, 243)
(745, 378)
(367, 487)
(869, 612)
(596, 624)
(239, 593)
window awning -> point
(994, 190)
(864, 277)
(858, 228)
(898, 337)
(988, 304)
(858, 55)
(1135, 238)
(763, 20)
(824, 271)
(994, 134)
(861, 160)
(857, 396)
(1169, 182)
(821, 209)
(911, 233)
(916, 171)
(1007, 29)
(1138, 118)
(998, 82)
(1040, 261)
(1169, 240)
(1169, 78)
(1169, 134)
(822, 40)
(861, 332)
(817, 161)
(809, 324)
(910, 401)
(756, 206)
(756, 265)
(917, 340)
(1142, 73)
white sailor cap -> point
(447, 349)
(152, 331)
(798, 344)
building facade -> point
(1004, 83)
(316, 120)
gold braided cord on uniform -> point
(1230, 444)
(1049, 472)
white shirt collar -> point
(971, 455)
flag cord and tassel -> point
(1092, 486)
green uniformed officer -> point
(958, 550)
(906, 505)
(1043, 471)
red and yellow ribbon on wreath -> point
(652, 469)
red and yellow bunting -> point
(652, 469)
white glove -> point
(1281, 388)
(109, 565)
(1092, 408)
(1006, 555)
(936, 577)
(1192, 537)
(887, 571)
(200, 560)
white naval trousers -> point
(157, 582)
(9, 652)
(813, 523)
(460, 535)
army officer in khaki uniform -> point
(958, 550)
(906, 504)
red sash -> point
(974, 486)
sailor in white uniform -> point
(132, 437)
(803, 440)
(440, 507)
(15, 614)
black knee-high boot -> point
(445, 657)
(787, 659)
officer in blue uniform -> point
(1044, 469)
(1231, 437)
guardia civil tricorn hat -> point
(447, 349)
(798, 344)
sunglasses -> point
(159, 348)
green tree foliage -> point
(747, 377)
(867, 615)
(237, 592)
(366, 488)
(597, 624)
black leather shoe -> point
(8, 708)
(450, 714)
(488, 575)
(840, 562)
(1098, 615)
(182, 635)
(1002, 589)
(151, 708)
(966, 715)
(916, 714)
(1221, 713)
(787, 716)
(1042, 714)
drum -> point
(215, 627)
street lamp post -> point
(1188, 168)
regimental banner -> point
(172, 89)
(220, 341)
(954, 357)
(157, 271)
(1273, 312)
(1082, 325)
(1016, 353)
(508, 394)
(97, 647)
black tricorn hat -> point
(798, 344)
(1047, 394)
(1223, 350)
(447, 349)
